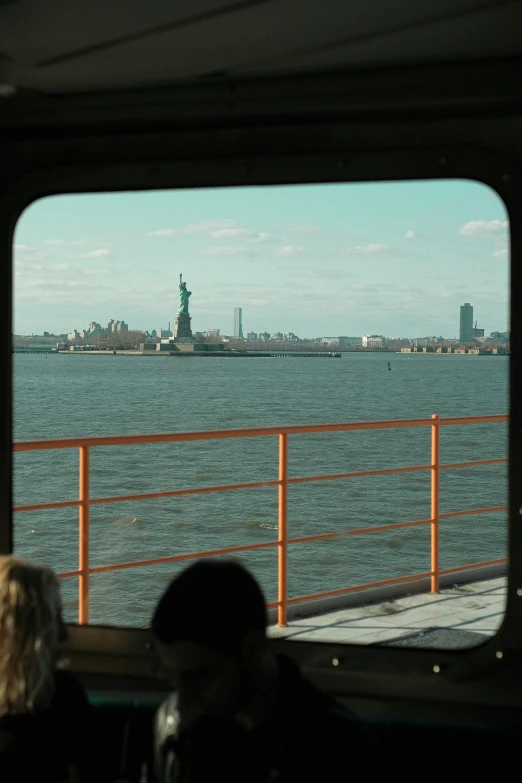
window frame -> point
(368, 151)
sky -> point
(396, 259)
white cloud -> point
(409, 234)
(483, 228)
(102, 253)
(197, 228)
(262, 237)
(21, 247)
(242, 233)
(288, 250)
(84, 284)
(225, 251)
(500, 253)
(231, 232)
(50, 267)
(63, 242)
(302, 228)
(258, 302)
(35, 257)
(373, 248)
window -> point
(360, 303)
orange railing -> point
(84, 501)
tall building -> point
(466, 323)
(373, 341)
(238, 322)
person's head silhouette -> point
(210, 625)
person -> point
(239, 711)
(44, 712)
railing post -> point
(83, 518)
(435, 475)
(283, 531)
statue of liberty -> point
(183, 298)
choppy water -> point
(65, 396)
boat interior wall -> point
(119, 97)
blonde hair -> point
(30, 627)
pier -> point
(305, 354)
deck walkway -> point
(457, 617)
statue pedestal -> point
(182, 330)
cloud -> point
(409, 234)
(484, 228)
(374, 248)
(327, 272)
(500, 253)
(302, 228)
(231, 232)
(242, 233)
(63, 242)
(50, 267)
(101, 253)
(86, 285)
(35, 256)
(21, 247)
(287, 251)
(225, 251)
(263, 237)
(198, 228)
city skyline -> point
(467, 332)
(396, 258)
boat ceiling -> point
(64, 47)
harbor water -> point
(67, 396)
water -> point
(66, 396)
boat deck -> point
(457, 617)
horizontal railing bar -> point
(470, 566)
(453, 420)
(358, 588)
(172, 437)
(473, 464)
(246, 547)
(252, 485)
(178, 558)
(181, 492)
(43, 506)
(128, 440)
(359, 531)
(358, 474)
(471, 511)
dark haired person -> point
(240, 712)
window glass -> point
(204, 310)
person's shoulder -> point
(321, 712)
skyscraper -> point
(466, 323)
(238, 322)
